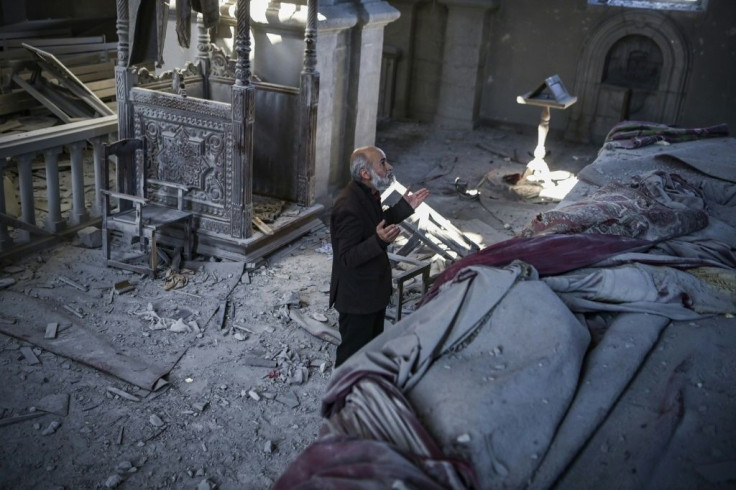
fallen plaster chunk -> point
(268, 447)
(200, 406)
(156, 421)
(51, 330)
(90, 237)
(254, 395)
(179, 327)
(288, 399)
(113, 481)
(57, 404)
(6, 281)
(52, 427)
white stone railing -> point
(19, 151)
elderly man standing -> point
(361, 230)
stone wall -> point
(516, 44)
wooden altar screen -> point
(204, 138)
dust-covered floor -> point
(243, 396)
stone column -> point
(462, 63)
(79, 210)
(365, 73)
(6, 241)
(27, 201)
(54, 221)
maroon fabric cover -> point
(549, 254)
(656, 207)
(345, 463)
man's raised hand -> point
(416, 198)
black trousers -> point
(356, 331)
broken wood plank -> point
(29, 355)
(21, 418)
(15, 223)
(73, 284)
(262, 227)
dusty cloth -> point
(635, 134)
(548, 254)
(655, 206)
(210, 10)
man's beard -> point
(381, 183)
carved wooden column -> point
(54, 221)
(5, 239)
(243, 104)
(308, 101)
(123, 83)
(27, 201)
(204, 48)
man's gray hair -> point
(359, 162)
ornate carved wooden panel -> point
(190, 142)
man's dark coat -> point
(361, 273)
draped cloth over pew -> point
(599, 373)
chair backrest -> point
(125, 151)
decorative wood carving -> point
(190, 142)
(221, 66)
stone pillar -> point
(332, 64)
(54, 221)
(6, 241)
(27, 201)
(462, 63)
(79, 210)
(365, 73)
(98, 153)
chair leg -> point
(106, 244)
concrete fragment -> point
(290, 298)
(52, 427)
(179, 327)
(57, 404)
(29, 356)
(113, 481)
(268, 447)
(90, 237)
(6, 281)
(200, 406)
(240, 336)
(254, 395)
(288, 399)
(156, 421)
(51, 329)
(259, 362)
(205, 485)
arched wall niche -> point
(599, 103)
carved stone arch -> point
(586, 114)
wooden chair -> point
(145, 219)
